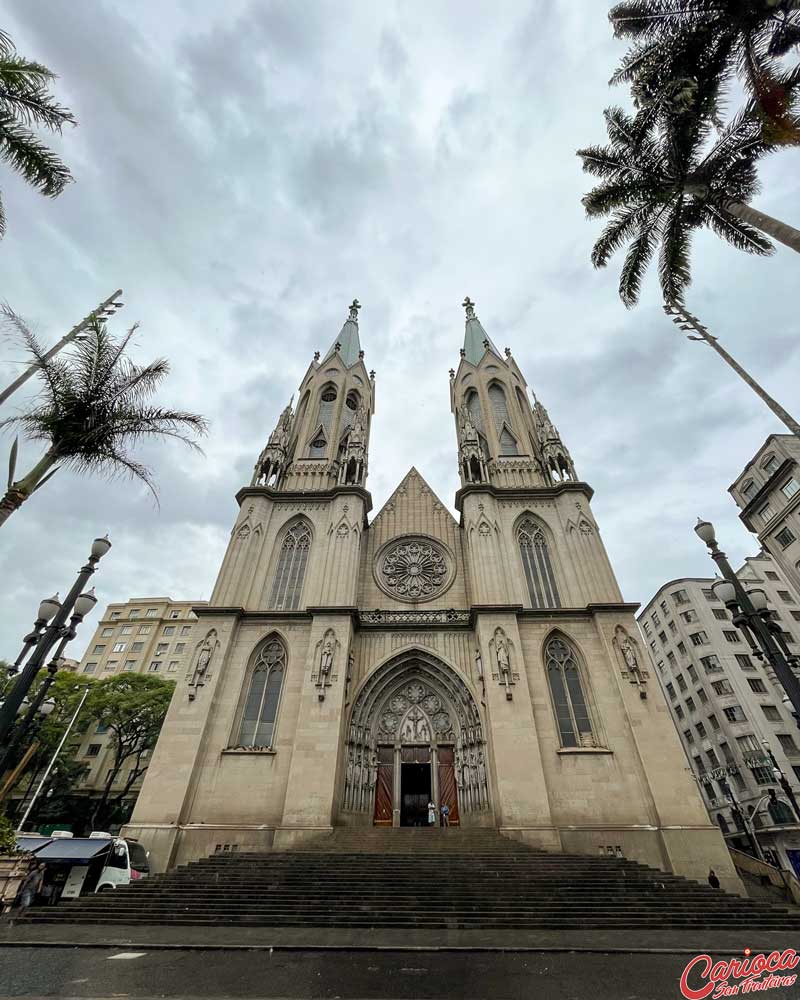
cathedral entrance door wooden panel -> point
(384, 787)
(448, 790)
(415, 785)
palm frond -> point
(738, 233)
(623, 226)
(24, 94)
(674, 264)
(23, 151)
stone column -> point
(319, 739)
(518, 788)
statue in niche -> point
(503, 662)
(633, 670)
(325, 663)
(201, 666)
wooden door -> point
(448, 792)
(384, 788)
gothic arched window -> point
(502, 421)
(722, 823)
(473, 405)
(257, 726)
(566, 690)
(291, 569)
(536, 563)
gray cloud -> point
(244, 172)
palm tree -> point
(25, 102)
(90, 408)
(659, 188)
(710, 42)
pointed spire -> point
(476, 339)
(347, 344)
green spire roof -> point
(349, 344)
(475, 335)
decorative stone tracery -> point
(413, 569)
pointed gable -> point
(414, 503)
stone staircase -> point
(419, 878)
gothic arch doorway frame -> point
(414, 709)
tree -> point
(90, 408)
(659, 188)
(133, 707)
(25, 101)
(709, 42)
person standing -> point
(713, 881)
(431, 814)
(445, 814)
(30, 886)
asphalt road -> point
(95, 972)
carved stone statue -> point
(201, 666)
(503, 660)
(326, 659)
(629, 653)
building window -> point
(784, 537)
(788, 744)
(673, 628)
(688, 735)
(763, 775)
(172, 666)
(790, 488)
(660, 665)
(655, 618)
(770, 464)
(653, 646)
(701, 731)
(722, 687)
(680, 597)
(663, 606)
(134, 612)
(101, 728)
(106, 633)
(126, 630)
(93, 749)
(721, 614)
(681, 682)
(169, 630)
(699, 639)
(119, 647)
(713, 760)
(115, 616)
(257, 727)
(713, 722)
(709, 594)
(766, 513)
(155, 666)
(566, 689)
(722, 823)
(771, 576)
(161, 648)
(796, 615)
(291, 570)
(711, 664)
(771, 713)
(111, 665)
(731, 636)
(671, 691)
(748, 744)
(692, 672)
(690, 616)
(744, 661)
(786, 597)
(672, 659)
(735, 714)
(662, 638)
(757, 685)
(186, 629)
(702, 696)
(98, 650)
(179, 647)
(174, 614)
(679, 711)
(130, 665)
(726, 752)
(748, 489)
(646, 629)
(691, 705)
(145, 629)
(137, 647)
(542, 588)
(151, 613)
(682, 649)
(90, 667)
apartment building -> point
(726, 703)
(143, 635)
(768, 493)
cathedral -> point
(349, 668)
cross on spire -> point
(469, 305)
(354, 307)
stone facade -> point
(346, 669)
(726, 704)
(768, 493)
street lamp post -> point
(77, 602)
(757, 629)
(747, 826)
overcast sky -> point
(243, 170)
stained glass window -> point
(261, 707)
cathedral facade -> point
(349, 669)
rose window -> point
(414, 570)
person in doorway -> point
(30, 886)
(713, 881)
(445, 814)
(431, 814)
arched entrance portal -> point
(415, 735)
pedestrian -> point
(445, 814)
(713, 881)
(431, 814)
(30, 886)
